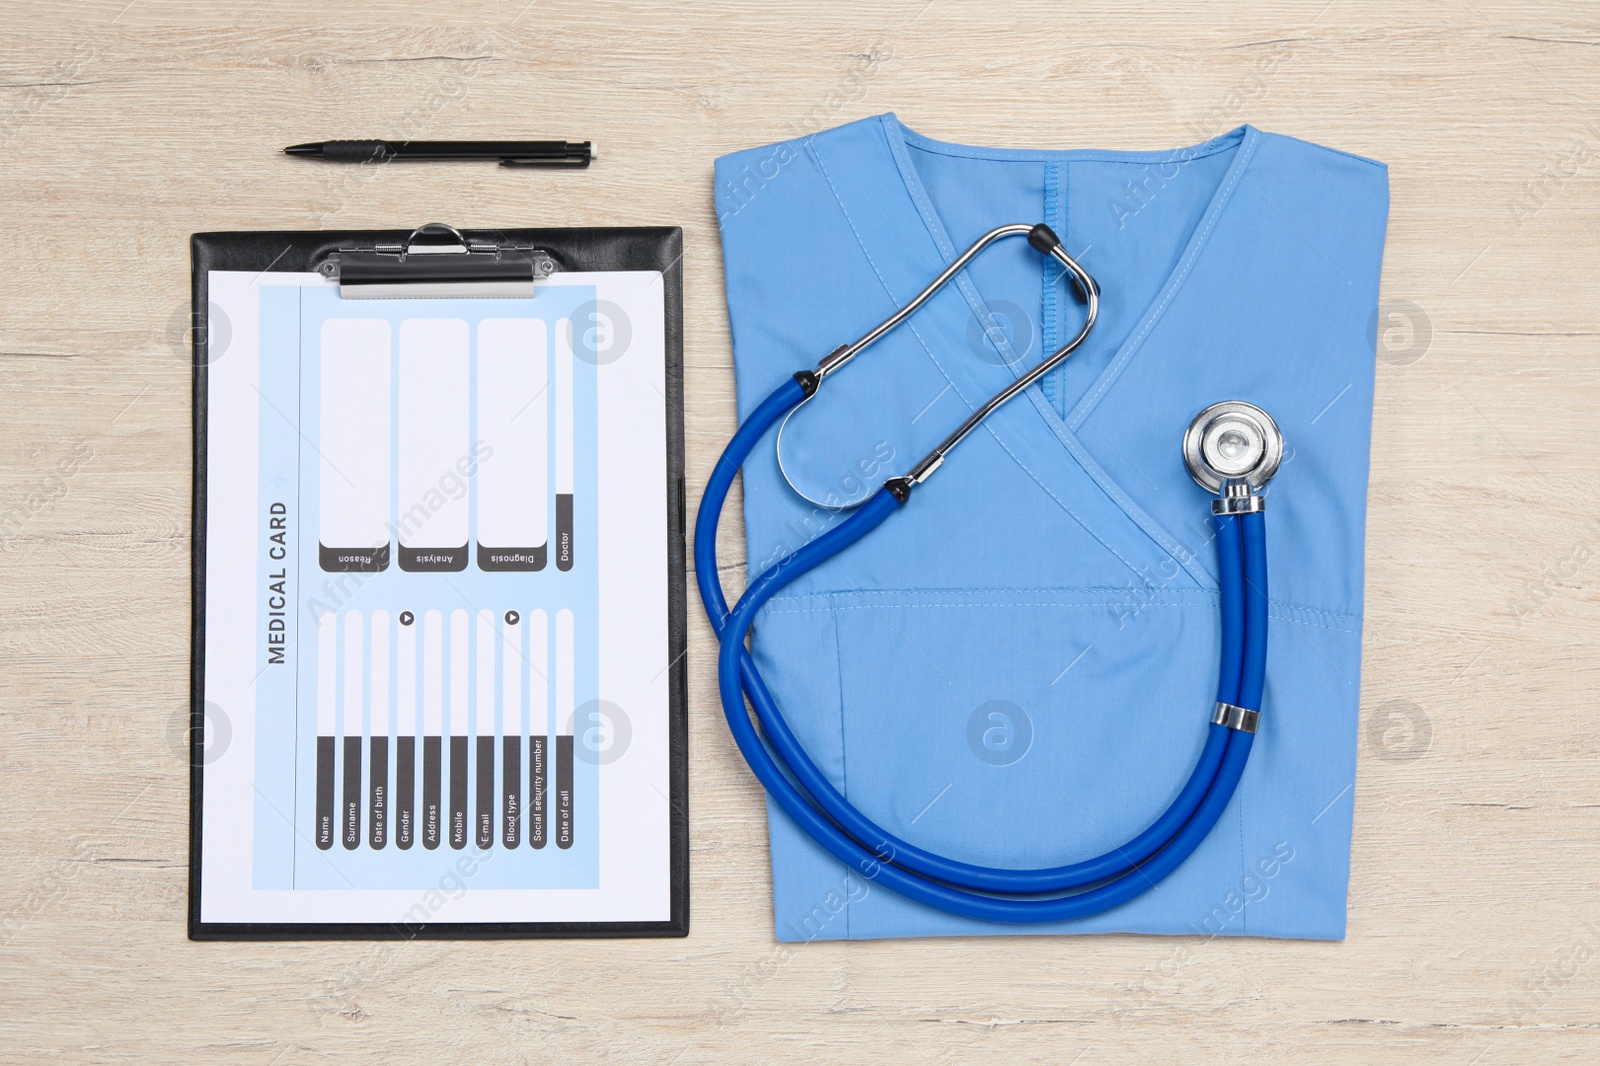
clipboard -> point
(330, 370)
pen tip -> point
(303, 149)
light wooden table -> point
(1474, 912)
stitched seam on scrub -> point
(1079, 452)
(1203, 238)
(994, 592)
(1283, 612)
(1379, 164)
(844, 749)
(867, 253)
(1244, 914)
(935, 227)
(916, 140)
(991, 593)
(1050, 384)
(932, 224)
(1130, 509)
(1010, 603)
(1290, 611)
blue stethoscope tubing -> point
(982, 892)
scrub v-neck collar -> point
(1242, 142)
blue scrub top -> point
(1019, 668)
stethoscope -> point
(1231, 449)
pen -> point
(510, 153)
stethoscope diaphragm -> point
(1232, 442)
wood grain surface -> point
(1474, 913)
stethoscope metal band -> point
(1238, 504)
(1241, 718)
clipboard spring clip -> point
(425, 266)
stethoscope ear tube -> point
(1044, 240)
(805, 794)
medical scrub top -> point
(1018, 669)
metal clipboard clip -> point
(436, 261)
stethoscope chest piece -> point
(1232, 443)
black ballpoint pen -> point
(509, 153)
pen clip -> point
(576, 161)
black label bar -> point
(458, 792)
(511, 808)
(563, 791)
(405, 791)
(433, 560)
(485, 792)
(564, 531)
(431, 820)
(352, 792)
(324, 830)
(378, 794)
(536, 791)
(353, 560)
(529, 559)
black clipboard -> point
(437, 260)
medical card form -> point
(439, 600)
